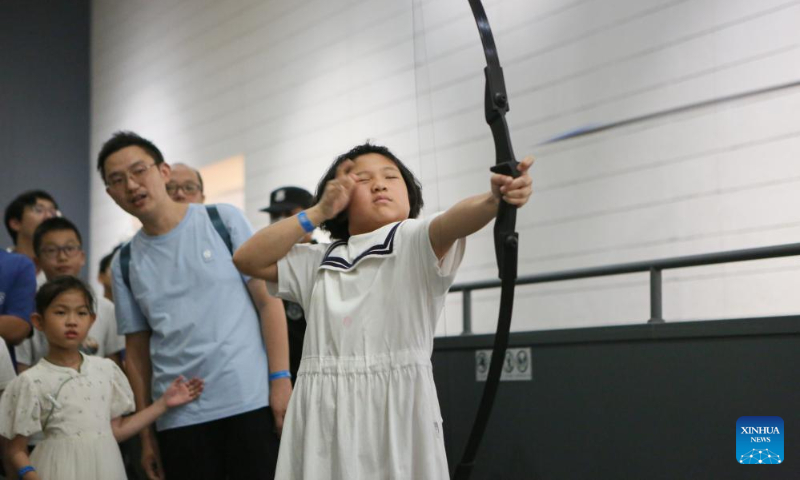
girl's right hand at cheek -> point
(337, 192)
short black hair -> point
(339, 226)
(105, 262)
(49, 291)
(52, 225)
(15, 209)
(120, 140)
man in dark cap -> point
(286, 202)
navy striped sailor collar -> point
(346, 255)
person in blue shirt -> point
(17, 303)
(17, 293)
(186, 310)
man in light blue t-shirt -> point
(186, 310)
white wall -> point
(292, 84)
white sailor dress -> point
(364, 405)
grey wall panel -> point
(44, 105)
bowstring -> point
(422, 86)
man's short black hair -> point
(123, 139)
(105, 262)
(339, 225)
(52, 225)
(15, 209)
(55, 287)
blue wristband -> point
(279, 374)
(308, 227)
(22, 471)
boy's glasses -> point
(42, 210)
(52, 252)
(188, 188)
(118, 180)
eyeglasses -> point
(188, 188)
(118, 180)
(52, 252)
(42, 210)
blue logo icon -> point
(759, 440)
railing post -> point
(466, 312)
(655, 296)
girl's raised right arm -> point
(258, 256)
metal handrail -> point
(655, 267)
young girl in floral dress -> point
(78, 401)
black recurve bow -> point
(505, 238)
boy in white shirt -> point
(58, 248)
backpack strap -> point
(216, 220)
(219, 226)
(125, 264)
(223, 232)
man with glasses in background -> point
(186, 310)
(185, 184)
(23, 215)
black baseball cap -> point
(285, 199)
